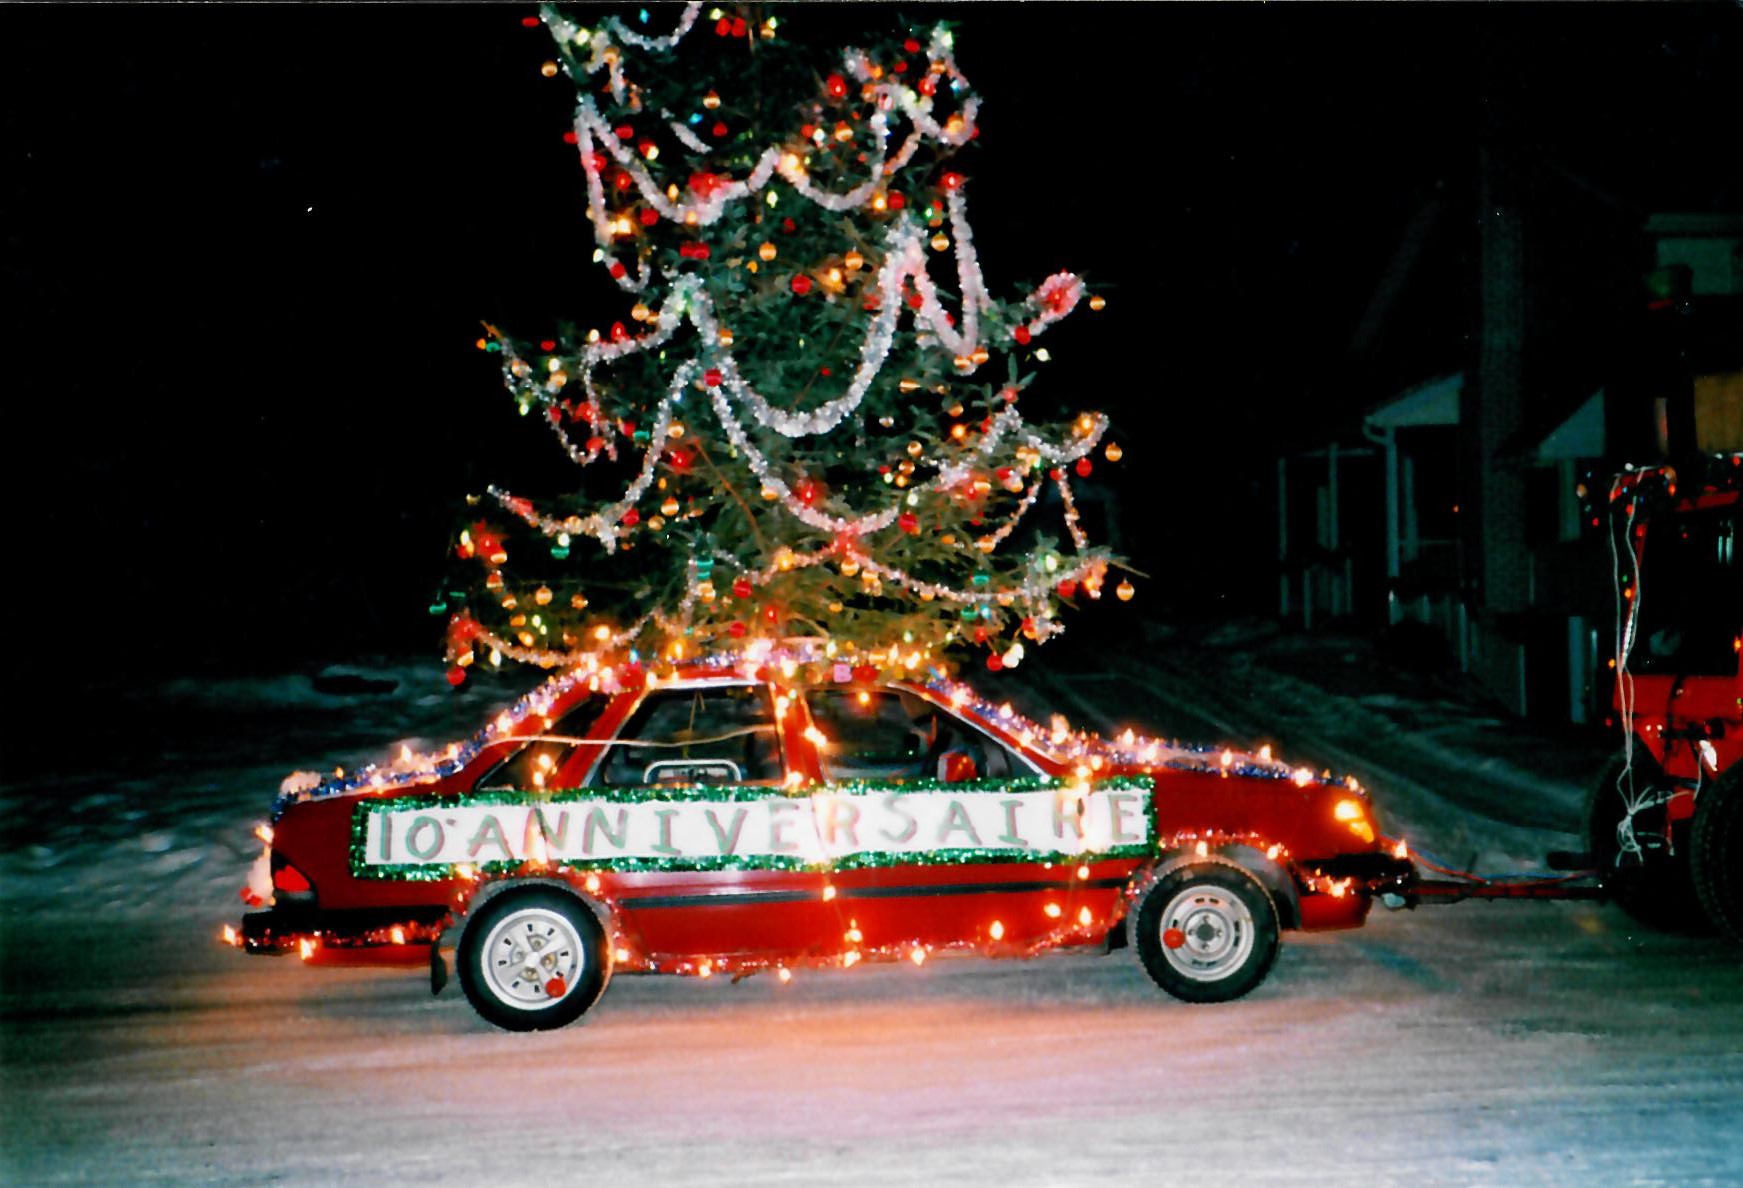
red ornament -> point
(737, 630)
(980, 635)
(910, 46)
(995, 662)
(548, 345)
(529, 22)
(622, 181)
(704, 184)
(836, 86)
(928, 87)
(1056, 474)
(617, 270)
(741, 588)
(712, 377)
(1022, 335)
(771, 614)
(953, 181)
(723, 27)
(597, 162)
(719, 129)
(739, 28)
(808, 492)
(900, 68)
(1067, 588)
(456, 676)
(788, 225)
(915, 301)
(649, 216)
(571, 138)
(908, 522)
(631, 518)
(1083, 467)
(897, 202)
(619, 332)
(801, 284)
(680, 460)
(625, 132)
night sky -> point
(248, 250)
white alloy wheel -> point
(532, 958)
(1207, 933)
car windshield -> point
(1690, 596)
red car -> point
(718, 822)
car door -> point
(717, 749)
(897, 738)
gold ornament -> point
(1124, 591)
(1113, 453)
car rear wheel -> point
(533, 958)
(1207, 932)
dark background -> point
(247, 250)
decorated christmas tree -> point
(804, 435)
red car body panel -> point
(1320, 869)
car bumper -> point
(361, 936)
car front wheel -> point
(532, 959)
(1207, 932)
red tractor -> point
(1665, 822)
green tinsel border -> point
(435, 872)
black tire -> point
(1716, 852)
(1207, 932)
(1654, 885)
(542, 930)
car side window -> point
(888, 734)
(719, 735)
(537, 762)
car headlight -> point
(1355, 815)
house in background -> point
(1455, 501)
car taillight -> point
(288, 878)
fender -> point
(1277, 881)
(487, 889)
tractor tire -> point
(1716, 852)
(1651, 883)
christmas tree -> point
(805, 436)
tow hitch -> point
(1448, 885)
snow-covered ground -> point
(1506, 1043)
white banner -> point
(822, 827)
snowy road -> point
(1475, 1044)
